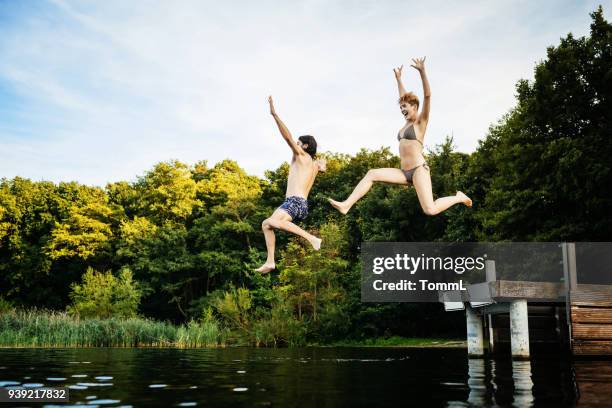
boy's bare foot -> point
(316, 243)
(465, 199)
(265, 268)
(338, 206)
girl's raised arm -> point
(419, 65)
(398, 78)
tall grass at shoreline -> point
(41, 328)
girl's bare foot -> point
(316, 243)
(464, 199)
(265, 268)
(338, 206)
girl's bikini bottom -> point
(410, 173)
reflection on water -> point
(490, 386)
(523, 384)
(308, 377)
(480, 390)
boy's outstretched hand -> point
(272, 111)
(322, 163)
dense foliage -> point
(190, 235)
(104, 295)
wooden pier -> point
(564, 315)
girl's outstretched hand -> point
(418, 64)
(272, 111)
(398, 72)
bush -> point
(104, 295)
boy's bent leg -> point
(269, 265)
(284, 223)
(268, 231)
(294, 229)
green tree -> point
(104, 295)
(86, 233)
(550, 157)
(160, 258)
(312, 281)
(168, 192)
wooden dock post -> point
(475, 339)
(491, 275)
(519, 329)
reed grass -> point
(43, 328)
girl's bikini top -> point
(409, 134)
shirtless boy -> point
(302, 173)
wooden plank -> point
(591, 331)
(592, 295)
(590, 300)
(592, 303)
(604, 289)
(592, 348)
(532, 291)
(591, 315)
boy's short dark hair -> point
(311, 149)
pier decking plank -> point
(591, 317)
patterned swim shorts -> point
(296, 207)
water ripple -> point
(33, 385)
(86, 384)
(105, 401)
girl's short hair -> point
(409, 98)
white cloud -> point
(117, 86)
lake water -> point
(308, 377)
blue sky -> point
(100, 91)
